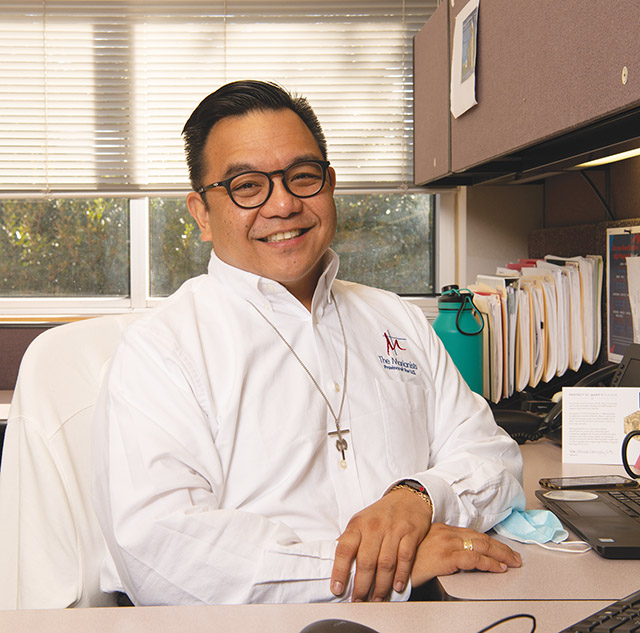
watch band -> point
(417, 488)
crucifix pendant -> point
(342, 446)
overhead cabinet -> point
(556, 83)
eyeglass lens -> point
(631, 453)
(253, 188)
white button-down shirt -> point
(216, 473)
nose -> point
(281, 203)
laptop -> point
(609, 520)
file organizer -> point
(543, 317)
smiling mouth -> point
(285, 235)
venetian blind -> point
(94, 94)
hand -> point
(382, 539)
(442, 552)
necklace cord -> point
(336, 418)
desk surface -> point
(412, 617)
(550, 575)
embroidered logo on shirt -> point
(391, 361)
(393, 343)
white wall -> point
(498, 222)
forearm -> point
(475, 478)
(224, 557)
(472, 492)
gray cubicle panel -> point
(14, 340)
(431, 90)
(544, 69)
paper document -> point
(489, 302)
(594, 421)
(563, 296)
(463, 59)
(546, 283)
(590, 271)
(536, 328)
(523, 341)
(506, 287)
(547, 316)
(622, 243)
(633, 279)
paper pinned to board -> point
(633, 279)
(463, 59)
(623, 242)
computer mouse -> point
(336, 626)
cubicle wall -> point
(545, 70)
(578, 240)
(14, 340)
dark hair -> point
(236, 99)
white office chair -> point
(50, 542)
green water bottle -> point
(459, 325)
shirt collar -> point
(269, 294)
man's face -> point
(286, 237)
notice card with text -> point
(595, 421)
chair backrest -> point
(50, 542)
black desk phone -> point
(526, 426)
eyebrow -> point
(238, 168)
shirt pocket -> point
(405, 410)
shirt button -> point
(336, 386)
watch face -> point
(416, 485)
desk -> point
(411, 617)
(548, 575)
(558, 589)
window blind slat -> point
(94, 94)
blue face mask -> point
(539, 527)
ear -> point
(331, 177)
(200, 214)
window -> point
(64, 247)
(93, 96)
(383, 239)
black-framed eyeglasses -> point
(252, 189)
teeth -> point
(279, 237)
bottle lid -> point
(453, 294)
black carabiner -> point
(468, 298)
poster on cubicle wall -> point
(463, 59)
(623, 290)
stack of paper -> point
(542, 318)
(503, 289)
(490, 307)
(590, 271)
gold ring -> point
(467, 544)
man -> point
(271, 434)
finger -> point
(406, 557)
(366, 568)
(346, 551)
(487, 546)
(499, 551)
(393, 570)
(473, 560)
(389, 560)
